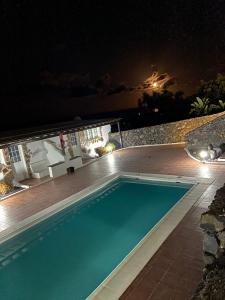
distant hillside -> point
(37, 110)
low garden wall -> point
(165, 133)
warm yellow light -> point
(203, 154)
(109, 148)
(155, 84)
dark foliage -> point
(213, 89)
(170, 106)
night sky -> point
(126, 39)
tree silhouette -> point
(213, 89)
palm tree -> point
(201, 107)
(220, 106)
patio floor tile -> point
(176, 268)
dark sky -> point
(185, 38)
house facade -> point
(53, 151)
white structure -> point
(94, 138)
(54, 155)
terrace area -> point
(176, 268)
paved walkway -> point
(174, 271)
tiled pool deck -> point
(176, 268)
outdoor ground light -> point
(203, 154)
(110, 147)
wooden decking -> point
(174, 271)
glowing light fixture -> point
(203, 154)
(109, 148)
(91, 150)
(155, 84)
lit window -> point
(89, 134)
(99, 131)
(73, 138)
(85, 134)
(93, 133)
(14, 153)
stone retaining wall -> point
(165, 133)
(213, 132)
(212, 285)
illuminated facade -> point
(53, 153)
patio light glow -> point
(203, 154)
(109, 148)
(204, 171)
(92, 152)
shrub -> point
(5, 188)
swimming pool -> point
(68, 255)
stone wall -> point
(213, 225)
(212, 132)
(212, 285)
(162, 134)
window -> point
(92, 133)
(89, 134)
(95, 132)
(99, 131)
(14, 153)
(73, 138)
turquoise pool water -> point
(68, 255)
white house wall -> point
(39, 152)
(76, 148)
(2, 160)
(105, 134)
(54, 156)
(44, 153)
(20, 167)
